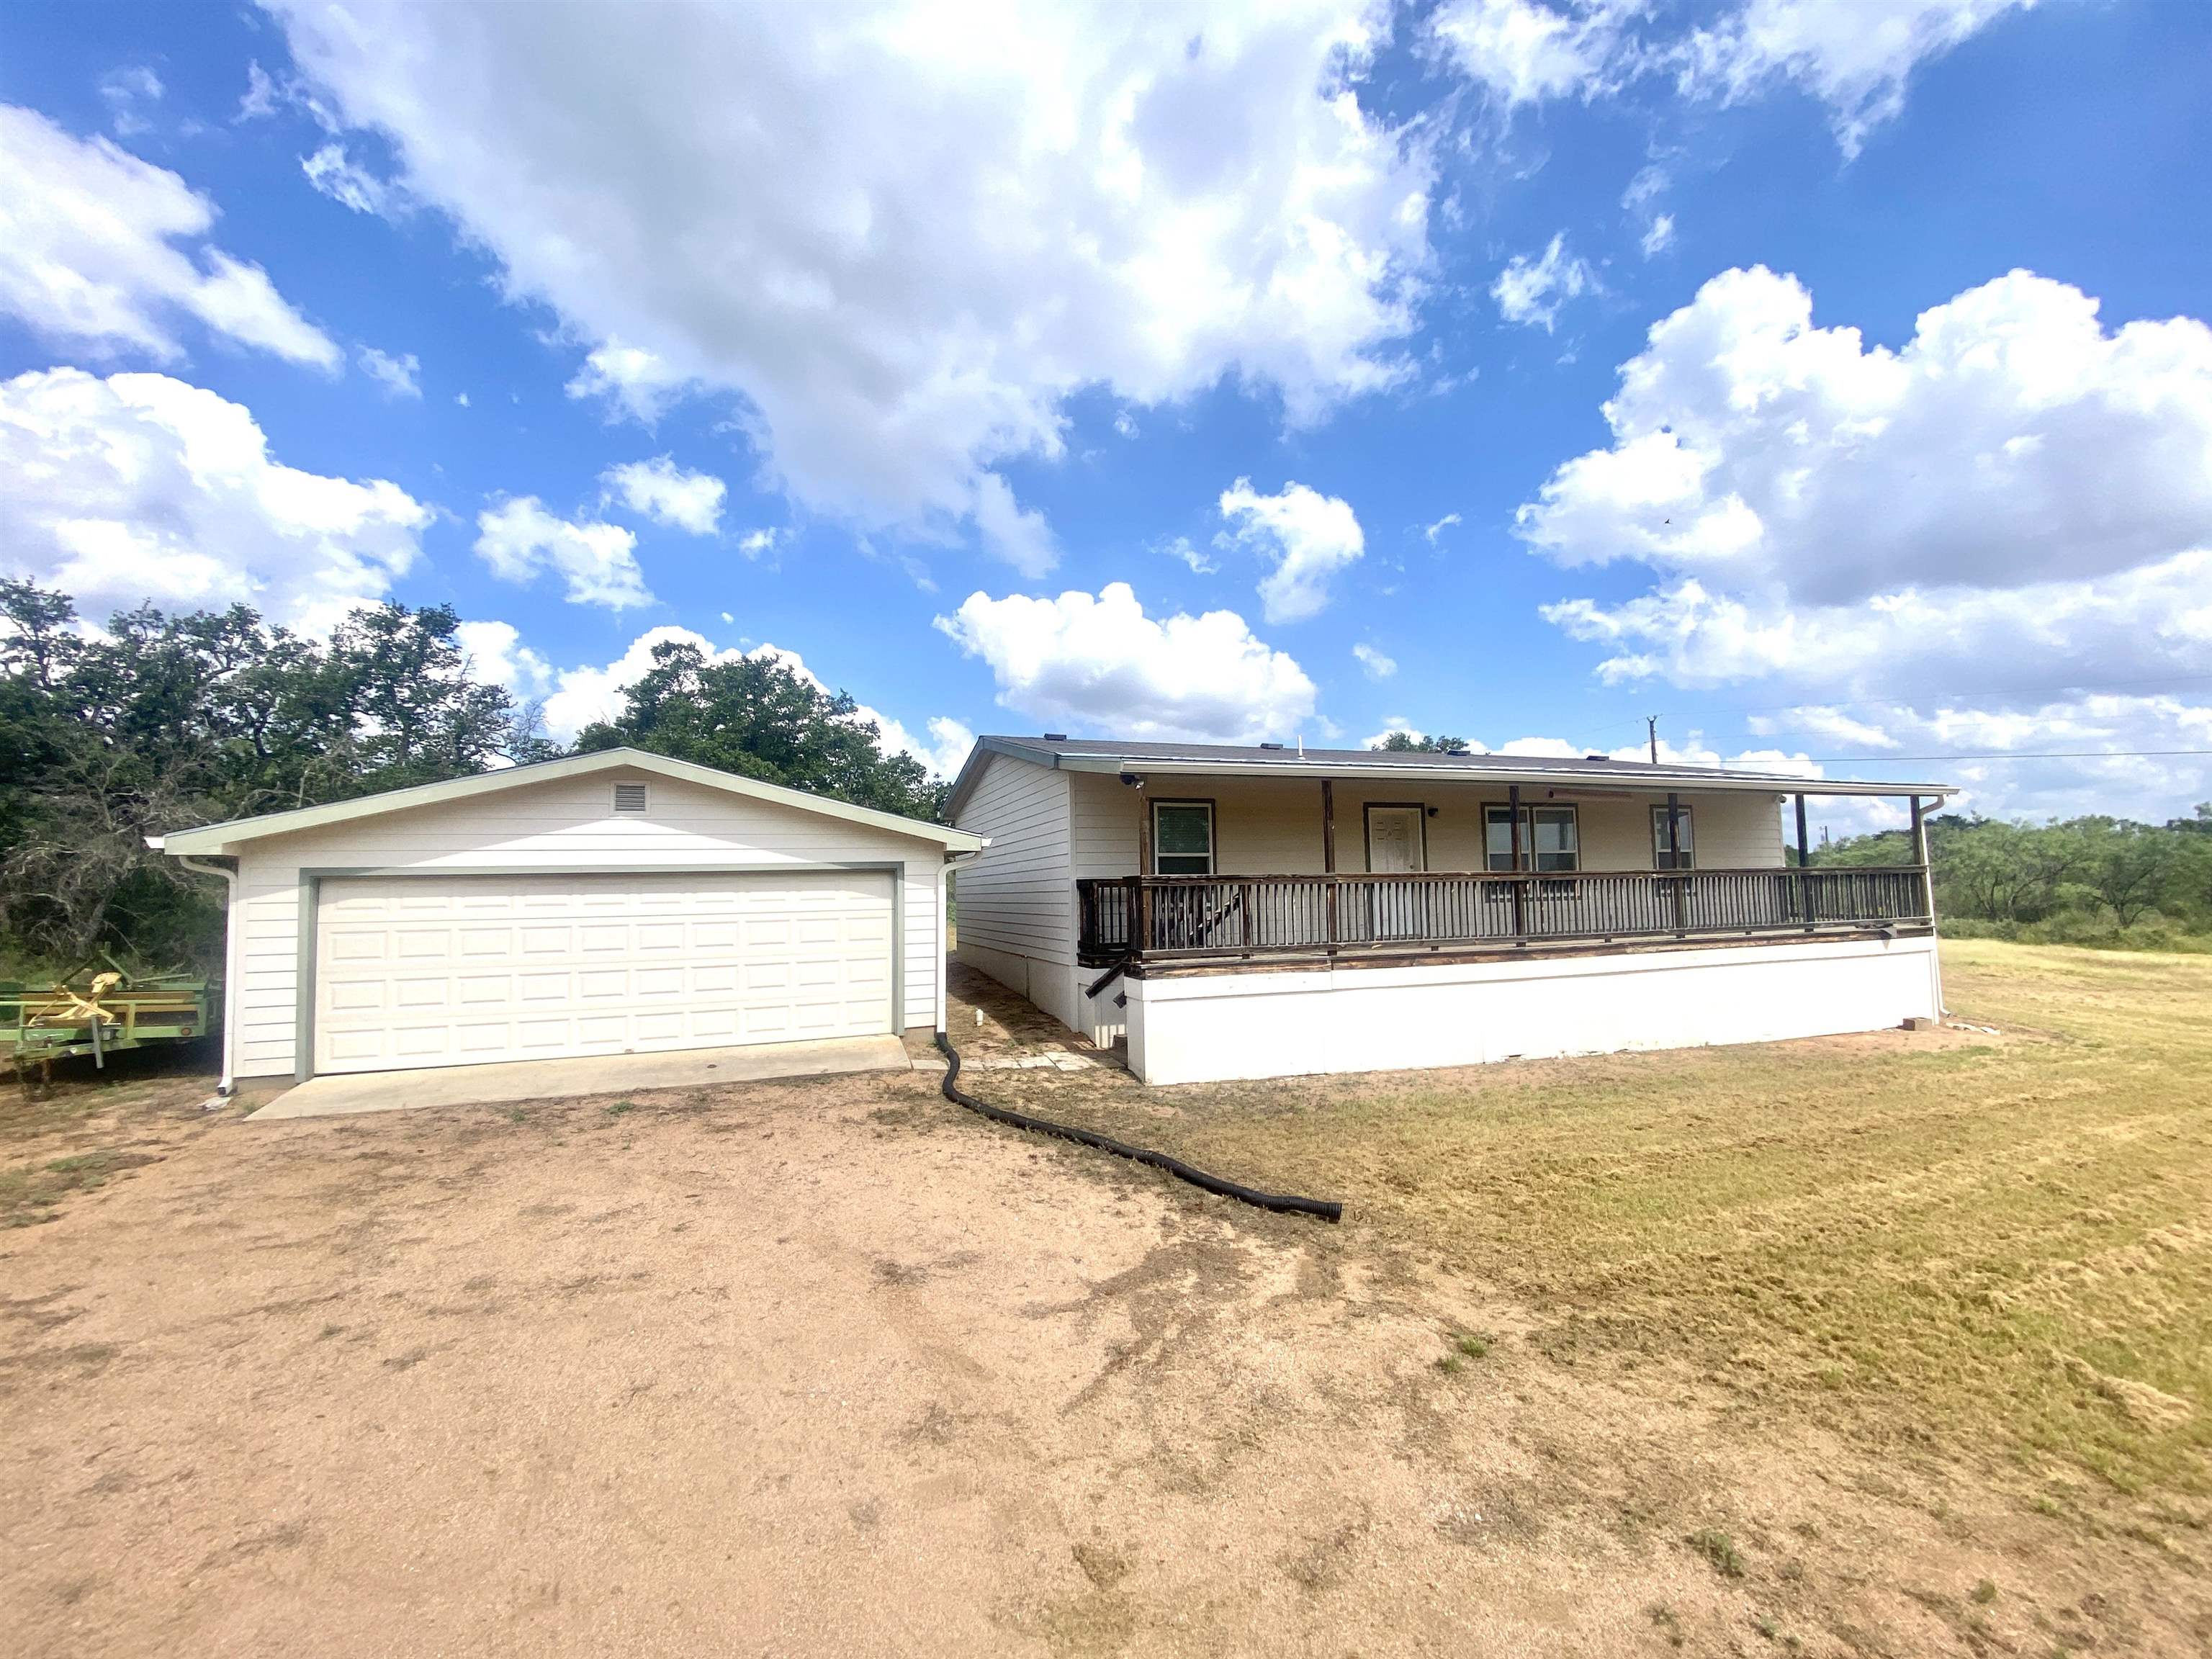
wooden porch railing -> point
(1239, 915)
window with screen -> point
(1663, 856)
(1183, 837)
(1550, 838)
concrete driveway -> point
(342, 1094)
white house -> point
(607, 903)
(1262, 912)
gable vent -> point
(629, 798)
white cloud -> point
(496, 653)
(1308, 536)
(1196, 559)
(128, 92)
(260, 98)
(1100, 662)
(461, 398)
(1125, 423)
(1532, 291)
(1658, 235)
(1373, 663)
(2127, 782)
(951, 222)
(140, 487)
(2011, 441)
(401, 374)
(637, 382)
(345, 181)
(667, 494)
(1434, 532)
(1019, 535)
(519, 540)
(87, 254)
(2014, 501)
(1856, 57)
(1525, 52)
(758, 544)
(2136, 625)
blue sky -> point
(1166, 372)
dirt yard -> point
(834, 1368)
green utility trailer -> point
(114, 1011)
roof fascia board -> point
(1659, 778)
(971, 769)
(220, 838)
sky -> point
(1830, 382)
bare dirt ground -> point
(834, 1368)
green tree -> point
(1411, 743)
(162, 722)
(754, 716)
(2126, 865)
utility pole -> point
(1652, 722)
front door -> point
(1395, 848)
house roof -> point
(219, 838)
(1111, 755)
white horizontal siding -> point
(566, 824)
(1268, 826)
(1018, 897)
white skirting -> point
(1217, 1027)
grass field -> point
(1972, 1244)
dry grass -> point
(564, 1378)
(1947, 1241)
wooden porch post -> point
(1329, 854)
(1513, 812)
(1674, 861)
(1140, 912)
(1804, 859)
(1920, 858)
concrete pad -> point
(338, 1094)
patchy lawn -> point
(1886, 1346)
(1998, 1240)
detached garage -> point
(610, 903)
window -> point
(1550, 839)
(1662, 857)
(1183, 837)
(629, 798)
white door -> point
(454, 970)
(1393, 849)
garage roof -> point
(219, 838)
(1273, 760)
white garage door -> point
(449, 970)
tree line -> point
(160, 722)
(2086, 880)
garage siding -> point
(565, 824)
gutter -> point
(1657, 780)
(952, 860)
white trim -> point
(1226, 1027)
(225, 838)
(1319, 764)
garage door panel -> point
(445, 970)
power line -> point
(2009, 754)
(1927, 696)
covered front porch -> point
(1562, 868)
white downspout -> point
(944, 932)
(230, 947)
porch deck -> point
(1139, 918)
